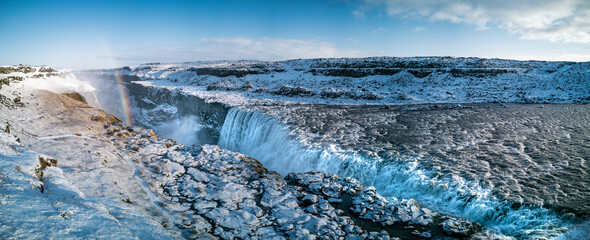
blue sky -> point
(100, 34)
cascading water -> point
(266, 139)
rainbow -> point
(124, 94)
(124, 98)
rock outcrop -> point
(216, 193)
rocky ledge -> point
(215, 193)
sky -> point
(105, 34)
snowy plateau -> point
(369, 148)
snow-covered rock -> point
(373, 80)
(458, 227)
(239, 198)
(60, 177)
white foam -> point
(581, 231)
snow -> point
(60, 210)
(56, 81)
(359, 81)
(81, 196)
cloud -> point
(563, 57)
(419, 29)
(555, 21)
(237, 48)
(358, 14)
(379, 30)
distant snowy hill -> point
(375, 80)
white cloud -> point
(233, 41)
(556, 21)
(358, 13)
(238, 48)
(419, 29)
(379, 30)
(562, 57)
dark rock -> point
(309, 199)
(290, 91)
(459, 227)
(76, 96)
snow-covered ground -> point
(61, 178)
(376, 80)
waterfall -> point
(271, 142)
(263, 138)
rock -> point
(76, 96)
(198, 176)
(200, 225)
(459, 227)
(426, 235)
(98, 119)
(334, 201)
(309, 199)
(292, 91)
(7, 128)
(204, 206)
(151, 133)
